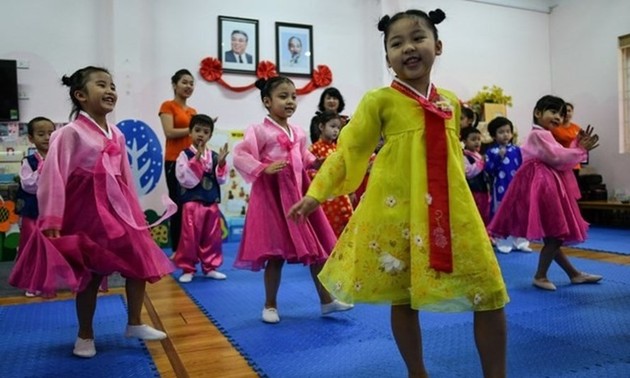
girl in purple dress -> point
(541, 201)
(273, 156)
(90, 221)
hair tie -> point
(437, 16)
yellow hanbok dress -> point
(382, 255)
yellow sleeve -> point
(344, 169)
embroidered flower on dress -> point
(477, 299)
(418, 240)
(373, 245)
(358, 286)
(405, 233)
(390, 264)
(428, 198)
(338, 286)
(390, 201)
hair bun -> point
(260, 83)
(437, 16)
(383, 23)
(65, 80)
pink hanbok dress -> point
(541, 200)
(86, 191)
(268, 233)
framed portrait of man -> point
(238, 44)
(294, 49)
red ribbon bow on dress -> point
(436, 111)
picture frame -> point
(238, 44)
(294, 49)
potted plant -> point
(490, 95)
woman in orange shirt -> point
(566, 133)
(175, 117)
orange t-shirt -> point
(565, 135)
(181, 120)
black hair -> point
(332, 92)
(569, 105)
(77, 82)
(240, 32)
(30, 126)
(267, 86)
(321, 118)
(433, 18)
(201, 120)
(465, 133)
(471, 114)
(550, 102)
(179, 74)
(494, 125)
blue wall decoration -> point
(144, 152)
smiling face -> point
(239, 43)
(548, 119)
(331, 103)
(99, 96)
(411, 50)
(281, 103)
(184, 87)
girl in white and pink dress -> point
(273, 156)
(90, 221)
(541, 201)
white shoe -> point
(144, 332)
(84, 348)
(524, 248)
(186, 277)
(504, 249)
(215, 275)
(270, 315)
(31, 294)
(335, 306)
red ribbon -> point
(322, 77)
(440, 251)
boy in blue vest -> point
(200, 171)
(39, 130)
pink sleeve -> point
(246, 156)
(308, 158)
(28, 178)
(221, 173)
(188, 171)
(473, 169)
(541, 145)
(58, 166)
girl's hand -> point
(301, 210)
(52, 233)
(223, 153)
(275, 167)
(586, 139)
(502, 151)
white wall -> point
(143, 42)
(584, 53)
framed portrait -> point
(238, 44)
(294, 49)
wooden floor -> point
(195, 348)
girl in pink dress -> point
(273, 157)
(541, 201)
(90, 221)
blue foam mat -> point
(607, 239)
(36, 340)
(577, 331)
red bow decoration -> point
(285, 142)
(266, 70)
(211, 69)
(322, 76)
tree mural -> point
(144, 152)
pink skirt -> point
(269, 234)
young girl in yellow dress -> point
(417, 241)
